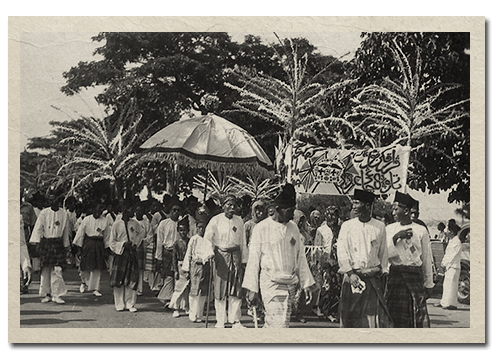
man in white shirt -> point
(277, 262)
(362, 256)
(92, 240)
(51, 233)
(410, 279)
(226, 233)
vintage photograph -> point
(311, 179)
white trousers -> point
(125, 297)
(233, 310)
(196, 306)
(450, 287)
(92, 279)
(52, 282)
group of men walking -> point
(387, 270)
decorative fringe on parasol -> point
(248, 166)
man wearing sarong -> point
(225, 232)
(92, 240)
(51, 234)
(140, 216)
(196, 263)
(126, 236)
(410, 280)
(166, 236)
(362, 257)
(277, 262)
(179, 299)
(151, 275)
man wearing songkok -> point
(180, 296)
(51, 232)
(362, 256)
(225, 232)
(198, 253)
(410, 276)
(92, 240)
(166, 236)
(277, 262)
(126, 236)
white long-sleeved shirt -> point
(415, 251)
(362, 245)
(198, 249)
(276, 250)
(452, 256)
(146, 227)
(93, 227)
(51, 224)
(324, 238)
(167, 235)
(119, 235)
(226, 233)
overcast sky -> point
(45, 56)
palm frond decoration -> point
(104, 149)
(216, 187)
(406, 108)
(254, 187)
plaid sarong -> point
(199, 274)
(278, 302)
(228, 273)
(124, 271)
(363, 310)
(93, 255)
(52, 252)
(406, 297)
(167, 269)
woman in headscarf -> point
(315, 221)
(259, 212)
(299, 305)
(331, 282)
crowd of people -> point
(264, 257)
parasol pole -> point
(206, 186)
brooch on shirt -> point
(235, 228)
(132, 229)
(98, 230)
(412, 249)
(57, 223)
(293, 241)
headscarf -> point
(255, 205)
(297, 216)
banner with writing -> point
(327, 171)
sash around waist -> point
(406, 269)
(230, 249)
(52, 240)
(95, 238)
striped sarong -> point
(278, 301)
(52, 252)
(406, 297)
(199, 274)
(228, 273)
(364, 310)
(124, 271)
(149, 257)
(93, 255)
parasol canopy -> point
(208, 142)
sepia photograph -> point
(303, 182)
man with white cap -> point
(362, 256)
(277, 262)
(226, 232)
(410, 282)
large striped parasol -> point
(209, 142)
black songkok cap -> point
(184, 221)
(363, 196)
(287, 197)
(405, 199)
